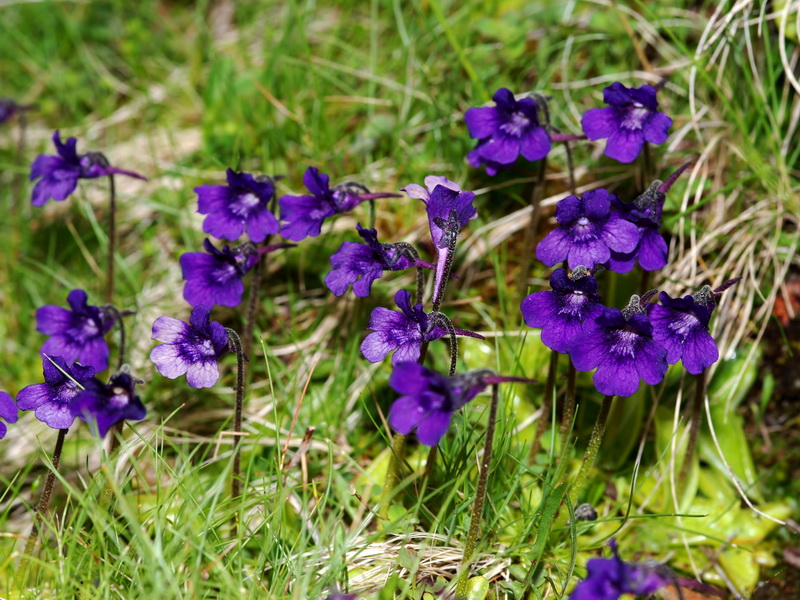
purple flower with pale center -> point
(190, 349)
(681, 326)
(449, 210)
(367, 261)
(610, 578)
(304, 215)
(238, 207)
(403, 332)
(8, 412)
(645, 213)
(622, 349)
(566, 311)
(505, 131)
(60, 174)
(104, 405)
(50, 400)
(215, 276)
(588, 231)
(76, 334)
(631, 120)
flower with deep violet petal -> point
(402, 332)
(50, 400)
(8, 412)
(505, 131)
(60, 174)
(681, 326)
(104, 405)
(631, 120)
(588, 230)
(238, 207)
(610, 578)
(644, 212)
(9, 108)
(366, 261)
(190, 348)
(304, 215)
(77, 334)
(215, 276)
(622, 349)
(566, 311)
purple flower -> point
(566, 311)
(60, 174)
(402, 332)
(190, 349)
(9, 108)
(629, 121)
(8, 412)
(645, 213)
(238, 207)
(622, 349)
(105, 405)
(215, 276)
(77, 334)
(304, 214)
(610, 578)
(367, 261)
(681, 326)
(505, 131)
(587, 232)
(50, 400)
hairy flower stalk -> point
(533, 226)
(117, 432)
(694, 424)
(236, 343)
(547, 405)
(112, 234)
(480, 497)
(593, 448)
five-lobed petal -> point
(51, 400)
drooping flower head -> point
(215, 276)
(622, 349)
(8, 412)
(505, 131)
(304, 215)
(630, 120)
(429, 399)
(645, 212)
(681, 326)
(241, 206)
(9, 108)
(610, 578)
(566, 311)
(368, 261)
(190, 349)
(104, 405)
(404, 331)
(449, 210)
(76, 334)
(588, 230)
(60, 174)
(50, 400)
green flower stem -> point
(44, 501)
(694, 426)
(594, 446)
(480, 498)
(530, 232)
(569, 404)
(236, 342)
(547, 406)
(112, 238)
(372, 214)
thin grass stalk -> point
(547, 406)
(16, 200)
(530, 233)
(236, 342)
(372, 214)
(694, 425)
(593, 448)
(480, 498)
(44, 501)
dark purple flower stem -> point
(112, 236)
(116, 432)
(372, 214)
(547, 405)
(236, 343)
(44, 500)
(480, 497)
(530, 232)
(694, 425)
(438, 294)
(411, 252)
(252, 304)
(647, 165)
(594, 446)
